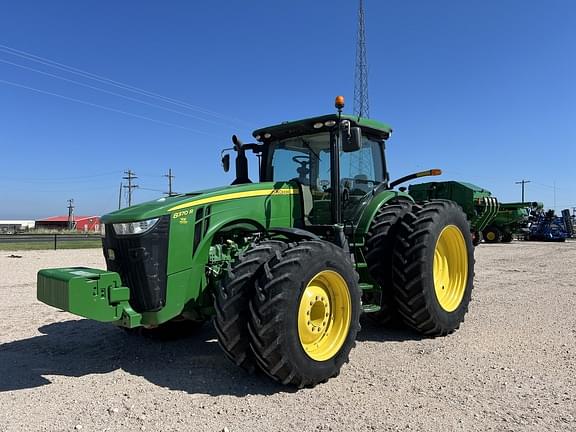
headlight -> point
(131, 228)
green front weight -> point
(91, 293)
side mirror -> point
(226, 162)
(353, 141)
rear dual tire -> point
(434, 268)
(380, 246)
(293, 312)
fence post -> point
(55, 240)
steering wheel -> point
(302, 160)
(303, 170)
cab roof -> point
(306, 126)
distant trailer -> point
(13, 226)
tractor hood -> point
(166, 205)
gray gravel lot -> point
(510, 367)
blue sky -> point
(485, 90)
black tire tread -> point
(411, 252)
(232, 298)
(380, 244)
(268, 311)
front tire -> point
(231, 302)
(434, 268)
(305, 314)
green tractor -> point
(512, 218)
(284, 267)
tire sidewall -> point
(305, 364)
(445, 319)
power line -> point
(103, 107)
(66, 188)
(150, 189)
(108, 81)
(552, 186)
(66, 179)
(112, 93)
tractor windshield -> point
(306, 160)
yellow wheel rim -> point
(450, 268)
(324, 315)
(491, 236)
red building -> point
(81, 223)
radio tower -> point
(359, 165)
(361, 107)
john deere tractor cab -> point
(285, 265)
(336, 162)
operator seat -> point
(360, 185)
(307, 202)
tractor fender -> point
(294, 233)
(364, 219)
(188, 276)
(248, 225)
(224, 226)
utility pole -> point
(130, 175)
(120, 197)
(70, 214)
(523, 182)
(170, 177)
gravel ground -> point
(510, 367)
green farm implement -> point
(479, 205)
(285, 266)
(489, 219)
(512, 218)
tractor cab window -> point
(300, 158)
(306, 159)
(362, 170)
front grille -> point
(141, 261)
